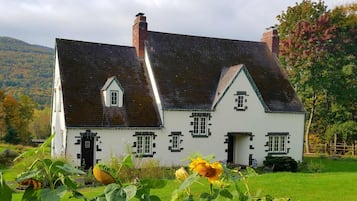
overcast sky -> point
(110, 21)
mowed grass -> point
(336, 181)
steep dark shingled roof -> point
(188, 69)
(85, 68)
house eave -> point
(286, 112)
(115, 128)
(189, 109)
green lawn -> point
(337, 181)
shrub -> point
(281, 163)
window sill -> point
(277, 153)
(199, 136)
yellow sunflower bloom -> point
(200, 166)
(210, 171)
(214, 172)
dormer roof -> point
(110, 81)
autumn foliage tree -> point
(16, 116)
(318, 49)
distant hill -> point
(26, 69)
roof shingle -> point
(187, 70)
(85, 68)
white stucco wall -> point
(256, 121)
(225, 119)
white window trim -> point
(240, 102)
(277, 143)
(144, 143)
(200, 125)
(175, 145)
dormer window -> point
(112, 93)
(114, 98)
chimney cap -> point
(140, 14)
(271, 28)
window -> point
(241, 101)
(175, 142)
(113, 98)
(277, 143)
(144, 143)
(200, 124)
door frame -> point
(88, 143)
(232, 143)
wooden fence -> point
(334, 149)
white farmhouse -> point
(172, 95)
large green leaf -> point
(225, 193)
(71, 185)
(70, 169)
(113, 192)
(5, 190)
(130, 191)
(28, 175)
(53, 195)
(31, 195)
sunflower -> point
(103, 174)
(205, 169)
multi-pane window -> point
(277, 143)
(240, 102)
(175, 142)
(114, 98)
(241, 99)
(200, 124)
(144, 143)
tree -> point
(2, 115)
(11, 135)
(12, 119)
(319, 62)
(347, 131)
(26, 110)
(40, 124)
(18, 115)
(306, 11)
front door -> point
(238, 148)
(87, 149)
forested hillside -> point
(26, 69)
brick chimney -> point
(271, 38)
(140, 28)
